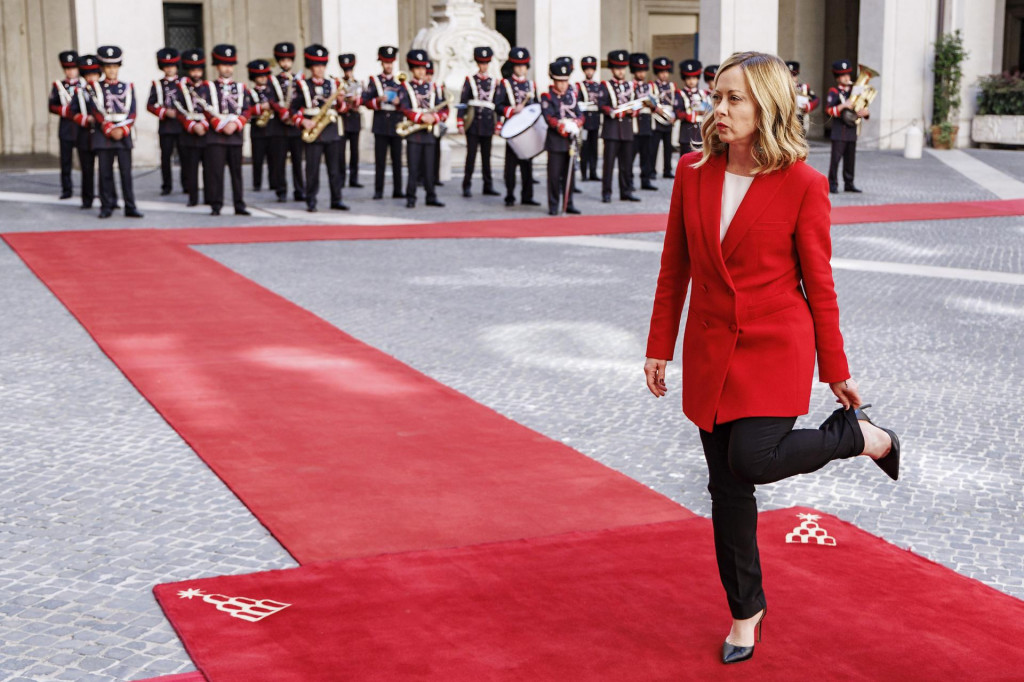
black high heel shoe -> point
(890, 464)
(737, 654)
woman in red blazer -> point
(749, 226)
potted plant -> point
(1000, 117)
(948, 69)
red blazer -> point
(763, 301)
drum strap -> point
(509, 92)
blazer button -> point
(732, 327)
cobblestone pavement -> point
(103, 500)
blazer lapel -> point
(762, 191)
(712, 176)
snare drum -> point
(525, 132)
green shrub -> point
(1001, 95)
(948, 68)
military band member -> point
(844, 136)
(89, 71)
(478, 95)
(192, 117)
(284, 55)
(61, 94)
(229, 104)
(162, 97)
(709, 79)
(668, 102)
(617, 128)
(513, 94)
(439, 87)
(352, 119)
(806, 100)
(259, 128)
(643, 124)
(560, 106)
(381, 95)
(112, 105)
(420, 104)
(312, 93)
(694, 105)
(589, 91)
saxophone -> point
(325, 117)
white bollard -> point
(915, 142)
(445, 172)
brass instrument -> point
(405, 127)
(325, 117)
(353, 89)
(263, 119)
(635, 104)
(861, 100)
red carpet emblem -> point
(252, 610)
(809, 530)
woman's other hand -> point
(847, 393)
(655, 371)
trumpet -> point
(405, 127)
(636, 105)
(863, 98)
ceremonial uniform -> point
(260, 132)
(694, 105)
(416, 98)
(806, 100)
(709, 78)
(294, 148)
(228, 102)
(112, 104)
(352, 119)
(89, 69)
(565, 125)
(381, 95)
(588, 93)
(669, 102)
(478, 107)
(643, 123)
(617, 130)
(844, 136)
(311, 94)
(192, 117)
(513, 92)
(439, 87)
(162, 98)
(61, 95)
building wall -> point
(801, 38)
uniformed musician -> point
(228, 105)
(439, 87)
(806, 100)
(61, 94)
(694, 105)
(312, 98)
(192, 117)
(478, 100)
(381, 95)
(89, 72)
(589, 91)
(112, 104)
(420, 104)
(709, 79)
(352, 119)
(617, 128)
(513, 95)
(263, 96)
(643, 124)
(560, 106)
(844, 135)
(284, 55)
(668, 102)
(162, 97)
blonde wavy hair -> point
(780, 136)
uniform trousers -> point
(588, 156)
(382, 145)
(621, 150)
(168, 143)
(190, 158)
(754, 451)
(525, 167)
(644, 147)
(87, 160)
(108, 192)
(294, 148)
(845, 150)
(66, 147)
(215, 157)
(277, 157)
(558, 174)
(421, 169)
(483, 144)
(261, 156)
(350, 145)
(663, 139)
(334, 156)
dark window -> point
(183, 25)
(505, 24)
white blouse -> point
(733, 191)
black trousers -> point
(663, 139)
(351, 143)
(334, 156)
(261, 156)
(421, 169)
(190, 159)
(559, 172)
(108, 192)
(168, 143)
(382, 145)
(87, 160)
(588, 156)
(437, 161)
(621, 150)
(644, 147)
(277, 157)
(66, 147)
(215, 157)
(294, 148)
(754, 451)
(525, 167)
(483, 144)
(846, 150)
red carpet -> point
(634, 603)
(184, 677)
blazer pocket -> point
(773, 304)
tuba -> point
(862, 99)
(325, 117)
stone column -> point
(728, 26)
(552, 29)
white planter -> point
(998, 129)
